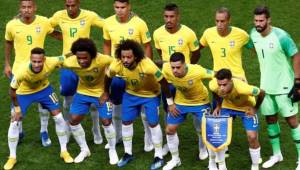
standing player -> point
(225, 43)
(238, 100)
(143, 79)
(75, 23)
(23, 33)
(125, 25)
(175, 37)
(29, 85)
(191, 97)
(90, 67)
(279, 62)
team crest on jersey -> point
(38, 29)
(271, 45)
(130, 31)
(82, 22)
(180, 41)
(190, 82)
(96, 70)
(231, 43)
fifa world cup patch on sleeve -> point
(158, 74)
(148, 35)
(255, 91)
(196, 43)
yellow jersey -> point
(91, 79)
(135, 29)
(184, 41)
(190, 91)
(241, 96)
(74, 28)
(26, 37)
(142, 81)
(226, 51)
(28, 82)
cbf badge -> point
(216, 132)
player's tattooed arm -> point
(260, 97)
(195, 56)
(148, 50)
(171, 105)
(107, 47)
(218, 100)
(105, 95)
(8, 48)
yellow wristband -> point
(17, 109)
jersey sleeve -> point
(193, 42)
(152, 69)
(8, 33)
(57, 61)
(106, 35)
(113, 69)
(205, 73)
(288, 45)
(54, 20)
(213, 85)
(250, 44)
(48, 26)
(246, 89)
(15, 82)
(244, 37)
(203, 40)
(156, 40)
(97, 20)
(144, 32)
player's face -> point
(127, 58)
(171, 19)
(27, 9)
(83, 59)
(261, 22)
(225, 86)
(72, 7)
(37, 62)
(222, 22)
(178, 68)
(122, 9)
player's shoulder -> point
(138, 20)
(186, 29)
(211, 30)
(213, 85)
(41, 19)
(60, 13)
(110, 19)
(238, 30)
(280, 33)
(13, 22)
(102, 58)
(159, 30)
(87, 12)
(239, 84)
(166, 67)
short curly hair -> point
(136, 48)
(84, 44)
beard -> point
(261, 29)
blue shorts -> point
(198, 111)
(117, 90)
(46, 97)
(163, 96)
(131, 108)
(82, 103)
(68, 82)
(250, 123)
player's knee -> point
(252, 139)
(272, 119)
(106, 122)
(170, 130)
(75, 120)
(292, 121)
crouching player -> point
(90, 67)
(238, 100)
(143, 79)
(191, 97)
(31, 85)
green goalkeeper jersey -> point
(274, 53)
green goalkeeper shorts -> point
(281, 104)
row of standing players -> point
(224, 41)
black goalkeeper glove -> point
(294, 94)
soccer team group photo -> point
(138, 84)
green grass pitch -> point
(198, 15)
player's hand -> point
(7, 71)
(294, 94)
(173, 110)
(251, 111)
(217, 111)
(103, 98)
